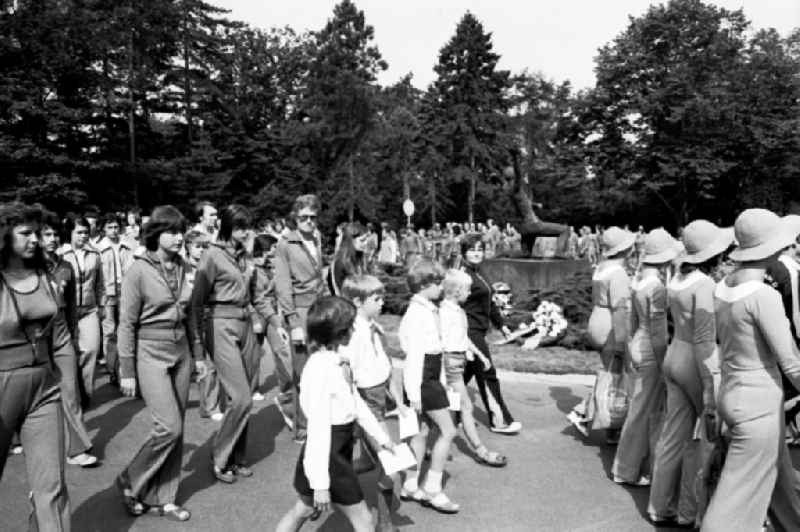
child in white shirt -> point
(372, 372)
(423, 379)
(457, 350)
(324, 471)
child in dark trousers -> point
(328, 397)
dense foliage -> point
(121, 103)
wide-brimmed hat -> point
(703, 240)
(761, 234)
(616, 240)
(659, 247)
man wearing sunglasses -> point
(298, 284)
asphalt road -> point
(555, 481)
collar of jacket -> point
(228, 248)
(152, 259)
(105, 244)
(295, 236)
(86, 249)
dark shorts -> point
(378, 399)
(344, 486)
(433, 394)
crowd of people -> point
(161, 304)
(717, 386)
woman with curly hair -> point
(155, 347)
(32, 333)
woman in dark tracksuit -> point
(223, 295)
(32, 333)
(154, 345)
(481, 313)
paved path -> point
(555, 481)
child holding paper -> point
(324, 472)
(371, 371)
(458, 349)
(423, 379)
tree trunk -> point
(187, 83)
(351, 185)
(471, 197)
(131, 117)
(434, 206)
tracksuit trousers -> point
(77, 436)
(30, 403)
(164, 369)
(231, 344)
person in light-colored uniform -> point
(647, 348)
(608, 323)
(689, 369)
(755, 339)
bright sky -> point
(558, 38)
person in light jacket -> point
(298, 284)
(89, 295)
(115, 257)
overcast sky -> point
(556, 37)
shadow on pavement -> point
(564, 398)
(113, 420)
(102, 512)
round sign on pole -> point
(408, 207)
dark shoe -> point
(224, 475)
(133, 506)
(241, 471)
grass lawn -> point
(554, 360)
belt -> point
(227, 311)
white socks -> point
(433, 481)
(411, 484)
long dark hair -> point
(348, 260)
(232, 217)
(14, 214)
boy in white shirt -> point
(458, 349)
(423, 379)
(372, 371)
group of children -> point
(349, 380)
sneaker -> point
(643, 481)
(16, 449)
(217, 416)
(286, 419)
(579, 422)
(258, 396)
(512, 428)
(82, 460)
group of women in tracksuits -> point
(715, 387)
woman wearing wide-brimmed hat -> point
(647, 348)
(755, 339)
(608, 323)
(689, 368)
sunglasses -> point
(306, 217)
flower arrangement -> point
(547, 326)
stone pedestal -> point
(523, 275)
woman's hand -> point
(322, 500)
(417, 406)
(128, 386)
(201, 369)
(258, 328)
(487, 364)
(388, 447)
(505, 330)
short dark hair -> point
(110, 218)
(232, 217)
(14, 214)
(469, 241)
(200, 207)
(163, 219)
(329, 321)
(71, 221)
(425, 272)
(262, 243)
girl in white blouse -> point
(324, 472)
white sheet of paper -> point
(408, 423)
(455, 400)
(402, 458)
